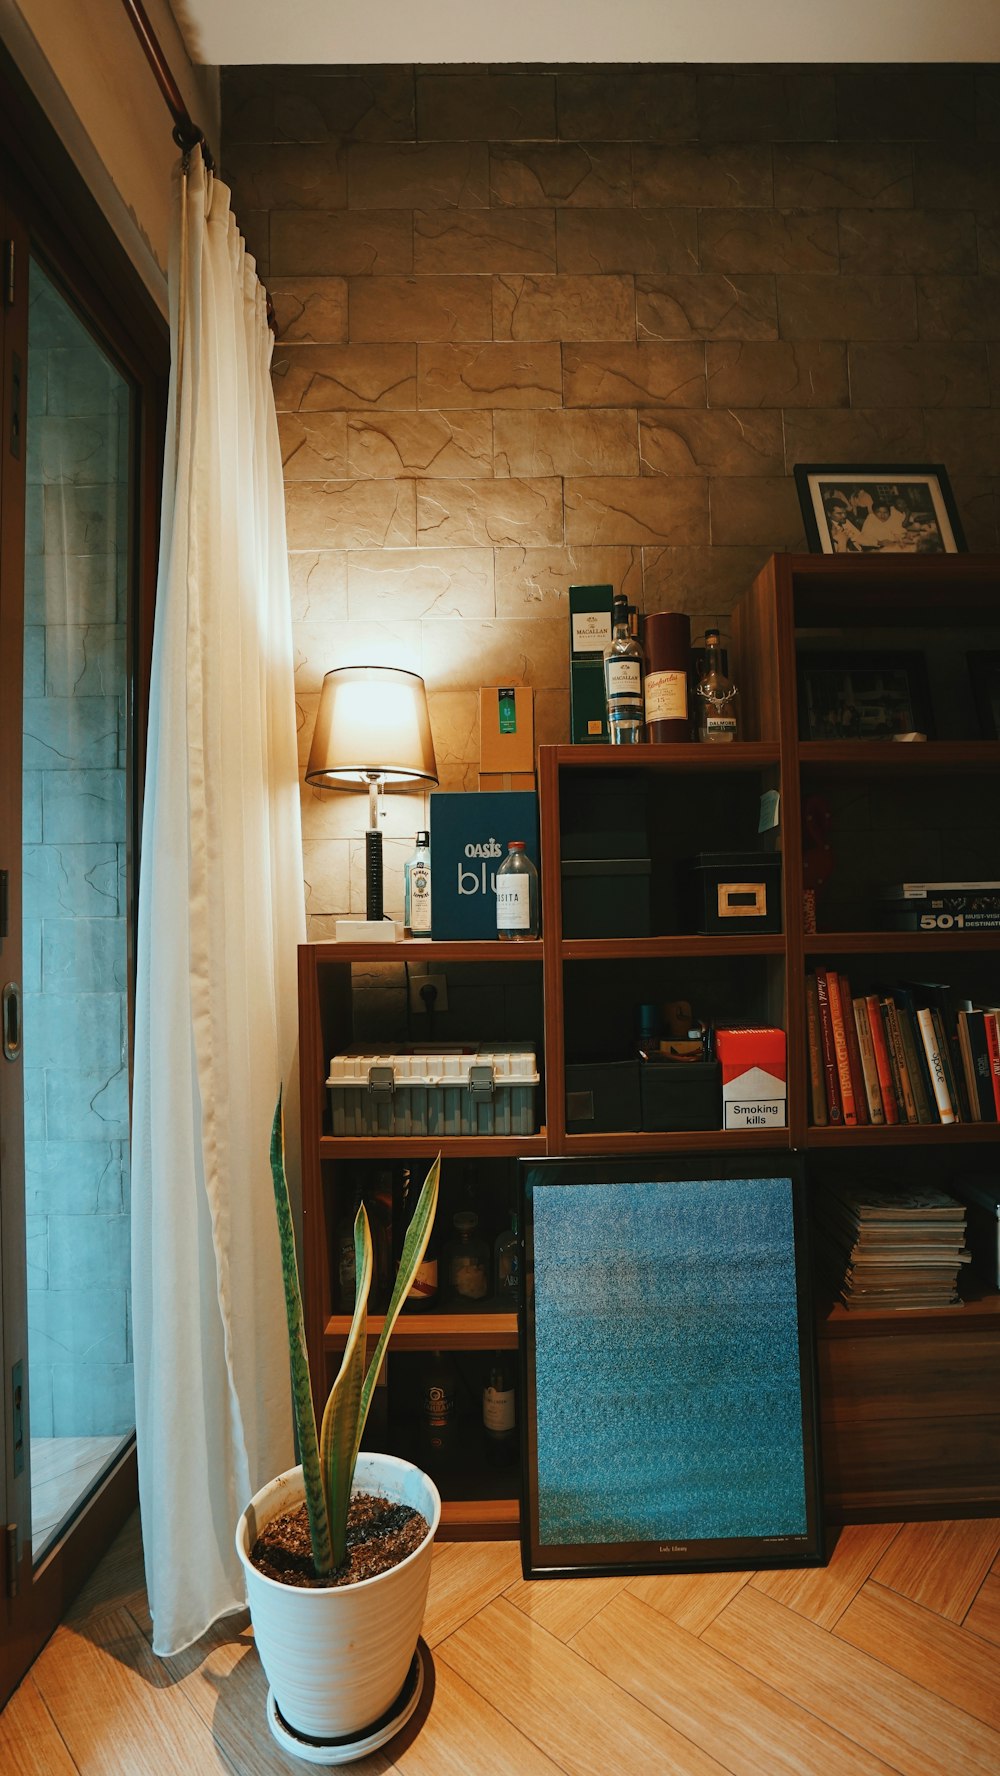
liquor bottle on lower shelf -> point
(438, 1411)
(507, 1267)
(467, 1261)
(623, 664)
(715, 695)
(500, 1411)
(423, 1292)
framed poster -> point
(668, 1367)
(878, 508)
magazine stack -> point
(891, 1247)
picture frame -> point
(668, 1366)
(861, 695)
(878, 508)
(984, 676)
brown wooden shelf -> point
(599, 949)
(433, 1331)
(899, 943)
(384, 1147)
(872, 756)
(426, 949)
(907, 1134)
(980, 1310)
(737, 755)
(676, 1141)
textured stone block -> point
(463, 656)
(79, 1031)
(811, 306)
(703, 581)
(86, 451)
(79, 520)
(310, 310)
(327, 866)
(84, 956)
(765, 105)
(81, 381)
(66, 1325)
(978, 500)
(636, 510)
(777, 373)
(317, 105)
(501, 375)
(31, 810)
(495, 107)
(83, 587)
(676, 442)
(34, 662)
(588, 176)
(76, 1178)
(761, 510)
(426, 307)
(627, 105)
(532, 582)
(641, 375)
(444, 444)
(85, 1106)
(455, 727)
(703, 175)
(908, 240)
(483, 240)
(322, 645)
(487, 512)
(855, 434)
(93, 1399)
(919, 375)
(563, 442)
(83, 807)
(532, 306)
(313, 446)
(88, 1251)
(78, 880)
(957, 176)
(70, 733)
(350, 514)
(288, 176)
(768, 240)
(708, 306)
(81, 660)
(255, 227)
(959, 307)
(811, 175)
(907, 104)
(965, 440)
(345, 242)
(627, 240)
(422, 175)
(327, 378)
(247, 96)
(386, 585)
(318, 584)
(988, 243)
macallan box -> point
(470, 833)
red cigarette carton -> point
(754, 1074)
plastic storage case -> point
(445, 1091)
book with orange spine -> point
(866, 1052)
(887, 1086)
(847, 1093)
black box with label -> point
(733, 891)
(681, 1095)
(602, 1097)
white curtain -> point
(220, 913)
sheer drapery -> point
(220, 913)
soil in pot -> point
(380, 1533)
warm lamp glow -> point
(372, 723)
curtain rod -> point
(186, 133)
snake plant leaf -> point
(414, 1246)
(339, 1437)
(305, 1417)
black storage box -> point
(602, 1097)
(605, 896)
(733, 891)
(681, 1095)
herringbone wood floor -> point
(887, 1660)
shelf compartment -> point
(888, 755)
(385, 1147)
(675, 1141)
(425, 949)
(608, 949)
(980, 1310)
(433, 1331)
(907, 1134)
(737, 755)
(900, 943)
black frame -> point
(671, 1553)
(984, 675)
(932, 475)
(910, 664)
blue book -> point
(469, 838)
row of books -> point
(913, 1052)
(891, 1247)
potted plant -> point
(338, 1650)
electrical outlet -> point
(419, 981)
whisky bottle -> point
(500, 1411)
(623, 665)
(715, 695)
(417, 878)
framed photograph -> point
(667, 1367)
(984, 674)
(870, 509)
(863, 696)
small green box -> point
(589, 639)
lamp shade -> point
(372, 722)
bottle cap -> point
(423, 838)
(515, 844)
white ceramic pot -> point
(336, 1657)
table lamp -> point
(372, 727)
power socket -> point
(419, 981)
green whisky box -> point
(589, 639)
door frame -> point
(49, 214)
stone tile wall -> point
(549, 325)
(75, 1006)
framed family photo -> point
(865, 508)
(858, 695)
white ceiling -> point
(224, 32)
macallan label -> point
(666, 696)
(591, 631)
(624, 678)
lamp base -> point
(367, 931)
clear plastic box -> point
(445, 1091)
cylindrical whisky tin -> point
(668, 655)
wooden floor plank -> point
(119, 1581)
(464, 1735)
(984, 1616)
(116, 1706)
(563, 1605)
(579, 1718)
(464, 1577)
(935, 1653)
(940, 1565)
(30, 1743)
(890, 1715)
(823, 1592)
(692, 1600)
(739, 1721)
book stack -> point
(911, 1052)
(892, 1247)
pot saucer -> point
(352, 1745)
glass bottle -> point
(417, 888)
(507, 1266)
(517, 895)
(438, 1407)
(623, 669)
(500, 1411)
(467, 1260)
(423, 1291)
(715, 695)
